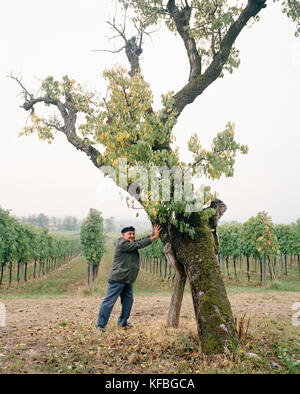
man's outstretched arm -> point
(127, 246)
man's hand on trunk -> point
(155, 233)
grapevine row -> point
(257, 246)
(27, 251)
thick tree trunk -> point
(196, 260)
(216, 328)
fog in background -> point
(261, 97)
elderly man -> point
(123, 274)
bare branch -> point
(24, 91)
(107, 50)
(124, 23)
(121, 33)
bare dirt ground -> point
(22, 314)
(36, 328)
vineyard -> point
(57, 334)
(28, 252)
(246, 252)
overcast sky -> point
(39, 38)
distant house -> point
(53, 226)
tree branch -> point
(69, 115)
(213, 221)
(53, 124)
(133, 46)
(199, 83)
(182, 21)
(24, 90)
(107, 50)
(68, 112)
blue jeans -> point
(116, 289)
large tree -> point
(129, 129)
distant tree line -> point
(71, 223)
(113, 224)
(68, 223)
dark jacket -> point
(126, 262)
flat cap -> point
(126, 229)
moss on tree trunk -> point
(215, 323)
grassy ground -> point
(51, 328)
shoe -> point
(128, 325)
(102, 329)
